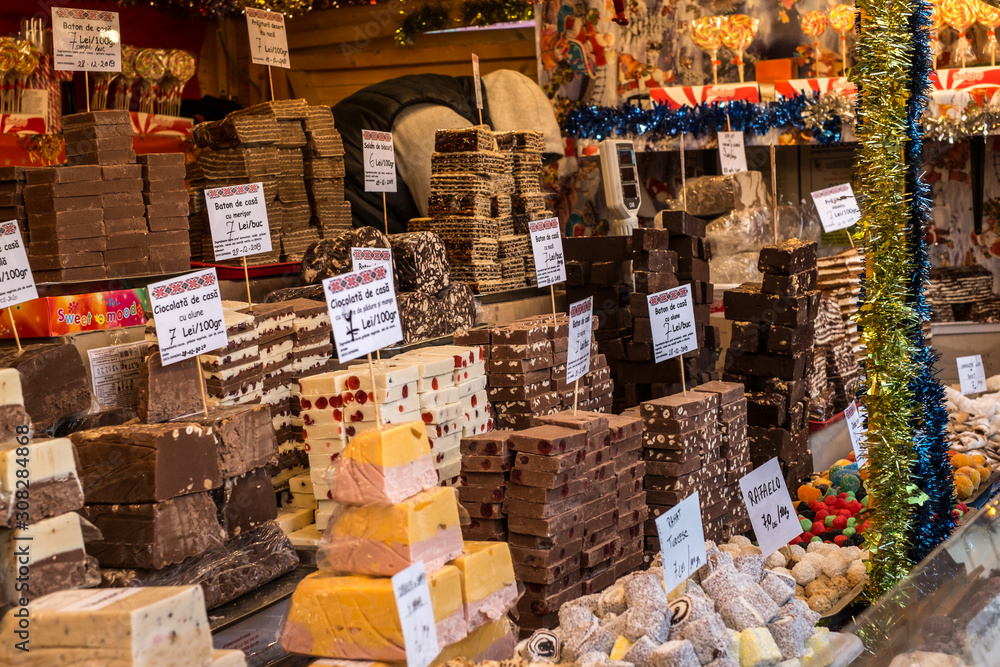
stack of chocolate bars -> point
(234, 374)
(324, 171)
(12, 198)
(486, 462)
(312, 348)
(735, 451)
(166, 201)
(275, 345)
(526, 204)
(625, 433)
(467, 173)
(840, 275)
(771, 352)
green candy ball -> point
(849, 531)
(806, 525)
(829, 520)
(816, 538)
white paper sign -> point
(478, 81)
(187, 312)
(17, 285)
(115, 373)
(672, 320)
(86, 39)
(546, 246)
(770, 507)
(855, 416)
(971, 374)
(581, 324)
(416, 615)
(363, 312)
(380, 161)
(268, 41)
(732, 153)
(237, 215)
(369, 258)
(837, 207)
(35, 102)
(682, 541)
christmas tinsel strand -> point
(881, 73)
(933, 521)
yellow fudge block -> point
(383, 539)
(488, 582)
(493, 641)
(355, 617)
(385, 466)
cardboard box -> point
(60, 315)
(678, 96)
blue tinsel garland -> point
(933, 521)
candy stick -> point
(842, 22)
(813, 25)
(989, 17)
(13, 327)
(706, 33)
(738, 31)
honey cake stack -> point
(527, 203)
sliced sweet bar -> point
(548, 440)
(385, 466)
(245, 502)
(54, 559)
(439, 398)
(489, 589)
(383, 539)
(50, 467)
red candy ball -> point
(839, 540)
(840, 523)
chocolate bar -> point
(748, 303)
(169, 392)
(48, 396)
(788, 257)
(245, 502)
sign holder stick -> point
(385, 214)
(86, 89)
(552, 293)
(680, 360)
(270, 82)
(13, 327)
(246, 277)
(684, 198)
(576, 393)
(204, 394)
(774, 195)
(371, 371)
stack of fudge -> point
(827, 327)
(234, 374)
(12, 198)
(49, 397)
(167, 212)
(323, 164)
(312, 348)
(470, 180)
(385, 484)
(840, 275)
(771, 353)
(526, 204)
(274, 323)
(486, 462)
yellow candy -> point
(842, 18)
(814, 23)
(757, 648)
(621, 647)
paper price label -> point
(547, 249)
(380, 161)
(17, 285)
(837, 207)
(187, 312)
(672, 321)
(115, 373)
(682, 541)
(770, 507)
(369, 258)
(478, 81)
(86, 40)
(971, 374)
(268, 41)
(363, 312)
(237, 215)
(416, 615)
(581, 314)
(732, 153)
(855, 416)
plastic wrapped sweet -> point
(331, 257)
(737, 239)
(225, 572)
(709, 196)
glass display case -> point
(946, 613)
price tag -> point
(837, 207)
(237, 215)
(380, 161)
(770, 507)
(416, 615)
(363, 312)
(971, 374)
(732, 153)
(86, 39)
(187, 312)
(369, 258)
(268, 41)
(546, 246)
(478, 81)
(581, 325)
(682, 541)
(115, 373)
(855, 416)
(17, 285)
(672, 321)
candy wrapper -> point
(225, 572)
(709, 196)
(959, 15)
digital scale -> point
(621, 184)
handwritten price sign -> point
(17, 285)
(86, 40)
(682, 541)
(187, 312)
(770, 507)
(380, 161)
(672, 321)
(837, 207)
(363, 312)
(268, 40)
(416, 615)
(546, 246)
(581, 316)
(238, 218)
(732, 153)
(855, 416)
(971, 374)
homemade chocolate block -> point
(787, 340)
(244, 436)
(728, 392)
(747, 303)
(245, 502)
(788, 257)
(791, 285)
(783, 368)
(678, 406)
(50, 396)
(679, 223)
(421, 262)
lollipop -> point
(27, 63)
(814, 25)
(706, 33)
(960, 15)
(842, 22)
(181, 66)
(8, 60)
(150, 68)
(935, 26)
(988, 16)
(738, 31)
(126, 79)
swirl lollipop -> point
(960, 15)
(988, 16)
(27, 63)
(126, 79)
(181, 66)
(814, 25)
(706, 33)
(150, 68)
(936, 24)
(8, 60)
(738, 32)
(842, 22)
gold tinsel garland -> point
(881, 73)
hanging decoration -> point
(428, 18)
(933, 520)
(210, 9)
(490, 12)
